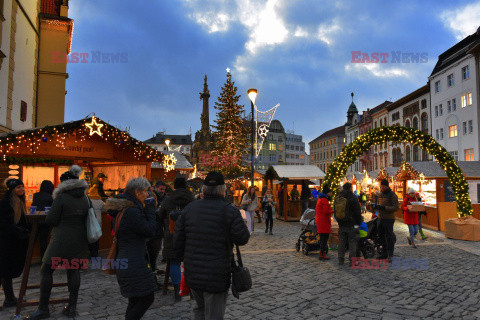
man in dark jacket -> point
(171, 206)
(204, 237)
(43, 199)
(348, 227)
(155, 244)
(387, 205)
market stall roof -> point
(299, 172)
(431, 169)
(89, 138)
(181, 164)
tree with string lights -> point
(231, 137)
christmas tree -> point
(231, 137)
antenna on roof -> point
(352, 96)
(89, 115)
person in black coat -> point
(204, 237)
(14, 235)
(43, 199)
(173, 203)
(136, 281)
(155, 244)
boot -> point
(178, 298)
(270, 233)
(10, 299)
(421, 234)
(70, 310)
(39, 314)
(266, 230)
(321, 256)
(325, 257)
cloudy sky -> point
(295, 52)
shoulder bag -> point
(94, 230)
(109, 268)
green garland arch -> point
(337, 170)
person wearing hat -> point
(387, 206)
(323, 220)
(171, 207)
(97, 191)
(204, 239)
(14, 238)
(410, 218)
(68, 240)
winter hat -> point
(326, 190)
(101, 175)
(384, 182)
(411, 190)
(214, 179)
(12, 183)
(180, 183)
(72, 173)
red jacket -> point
(409, 217)
(324, 214)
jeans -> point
(210, 306)
(413, 229)
(250, 217)
(323, 242)
(46, 283)
(137, 306)
(268, 215)
(175, 271)
(386, 237)
(351, 235)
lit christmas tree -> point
(231, 137)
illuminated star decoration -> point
(94, 127)
(169, 162)
(263, 130)
(228, 70)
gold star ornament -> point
(94, 127)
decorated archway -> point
(336, 172)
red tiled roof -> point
(51, 7)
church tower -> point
(205, 118)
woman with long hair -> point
(14, 237)
(250, 202)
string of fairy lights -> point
(12, 144)
(336, 172)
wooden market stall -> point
(240, 184)
(174, 165)
(45, 153)
(431, 182)
(291, 210)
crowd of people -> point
(199, 232)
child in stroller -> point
(309, 239)
(365, 245)
(373, 237)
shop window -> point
(469, 155)
(452, 131)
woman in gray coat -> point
(68, 242)
(138, 224)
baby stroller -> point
(309, 239)
(366, 246)
(373, 235)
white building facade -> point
(295, 150)
(454, 91)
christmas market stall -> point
(291, 208)
(430, 181)
(174, 165)
(45, 153)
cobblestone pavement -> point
(290, 285)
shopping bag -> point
(94, 230)
(184, 289)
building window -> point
(425, 122)
(296, 156)
(466, 100)
(449, 106)
(470, 126)
(464, 128)
(407, 124)
(452, 131)
(302, 157)
(436, 111)
(437, 86)
(451, 80)
(407, 154)
(415, 153)
(441, 134)
(23, 111)
(280, 147)
(437, 134)
(415, 123)
(469, 155)
(440, 109)
(381, 123)
(454, 154)
(424, 104)
(273, 146)
(465, 73)
(454, 104)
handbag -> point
(241, 278)
(94, 230)
(112, 254)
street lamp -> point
(252, 94)
(167, 142)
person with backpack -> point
(387, 206)
(348, 214)
(169, 212)
(323, 220)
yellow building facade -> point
(35, 38)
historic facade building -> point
(325, 148)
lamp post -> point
(167, 142)
(252, 94)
